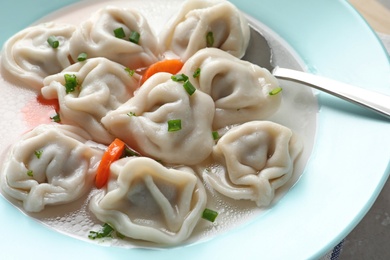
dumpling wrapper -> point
(240, 89)
(103, 85)
(50, 165)
(142, 122)
(257, 158)
(147, 201)
(28, 57)
(96, 38)
(185, 33)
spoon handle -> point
(378, 102)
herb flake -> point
(70, 83)
(130, 114)
(174, 125)
(56, 118)
(189, 87)
(38, 153)
(82, 56)
(196, 73)
(209, 39)
(130, 71)
(30, 173)
(179, 78)
(275, 91)
(119, 33)
(209, 215)
(215, 135)
(105, 231)
(134, 37)
(53, 42)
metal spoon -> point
(260, 53)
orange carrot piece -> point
(113, 153)
(171, 66)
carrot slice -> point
(171, 66)
(113, 152)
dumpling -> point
(28, 56)
(146, 201)
(143, 122)
(257, 158)
(240, 89)
(50, 165)
(101, 86)
(206, 23)
(96, 38)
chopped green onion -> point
(174, 125)
(209, 215)
(130, 152)
(70, 83)
(130, 114)
(38, 153)
(56, 118)
(106, 231)
(209, 39)
(134, 37)
(196, 73)
(120, 235)
(53, 42)
(119, 33)
(179, 77)
(215, 135)
(130, 71)
(275, 91)
(189, 87)
(30, 173)
(82, 56)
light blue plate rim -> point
(348, 167)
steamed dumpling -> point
(50, 165)
(187, 31)
(96, 37)
(257, 158)
(240, 89)
(142, 122)
(28, 56)
(102, 86)
(144, 200)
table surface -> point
(376, 12)
(371, 237)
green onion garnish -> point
(130, 71)
(174, 125)
(106, 231)
(130, 114)
(82, 56)
(56, 118)
(120, 235)
(119, 33)
(215, 135)
(189, 87)
(30, 173)
(134, 37)
(130, 153)
(209, 39)
(275, 91)
(53, 42)
(38, 153)
(179, 77)
(196, 73)
(209, 215)
(70, 83)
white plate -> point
(348, 166)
